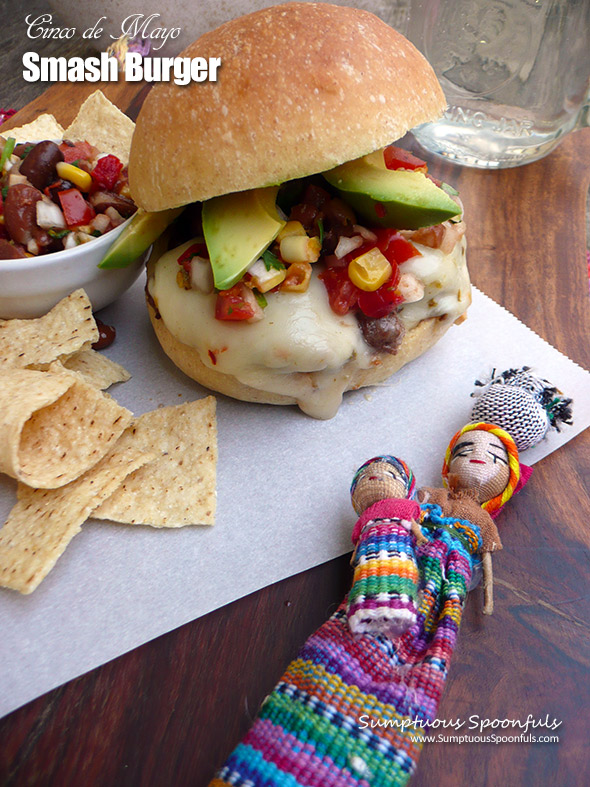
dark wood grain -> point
(171, 710)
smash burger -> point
(323, 258)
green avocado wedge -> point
(138, 236)
(406, 200)
(238, 227)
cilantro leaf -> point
(321, 229)
(271, 261)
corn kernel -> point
(75, 175)
(300, 248)
(265, 280)
(291, 228)
(297, 279)
(369, 271)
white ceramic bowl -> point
(31, 286)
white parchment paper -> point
(283, 500)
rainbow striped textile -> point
(349, 710)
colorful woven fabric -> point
(384, 589)
(348, 711)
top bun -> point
(302, 88)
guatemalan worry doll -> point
(481, 472)
(384, 591)
(353, 708)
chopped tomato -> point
(194, 250)
(394, 246)
(383, 301)
(75, 208)
(398, 158)
(237, 303)
(80, 150)
(342, 293)
(106, 172)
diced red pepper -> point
(106, 172)
(394, 246)
(380, 210)
(75, 208)
(194, 250)
(78, 151)
(237, 303)
(398, 158)
(383, 301)
(342, 293)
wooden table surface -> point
(169, 712)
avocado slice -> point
(141, 232)
(406, 199)
(238, 228)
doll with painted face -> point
(481, 472)
(383, 596)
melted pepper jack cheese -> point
(301, 348)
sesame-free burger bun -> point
(302, 88)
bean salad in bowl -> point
(64, 205)
(56, 195)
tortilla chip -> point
(177, 489)
(96, 369)
(43, 127)
(43, 522)
(67, 328)
(53, 427)
(103, 125)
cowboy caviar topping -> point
(311, 226)
(55, 196)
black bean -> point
(20, 213)
(39, 165)
(106, 335)
(9, 251)
(384, 334)
(101, 200)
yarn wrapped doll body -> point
(383, 596)
(384, 590)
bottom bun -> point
(312, 400)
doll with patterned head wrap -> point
(382, 599)
(481, 472)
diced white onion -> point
(364, 232)
(16, 177)
(100, 223)
(114, 216)
(49, 215)
(202, 275)
(70, 241)
(346, 245)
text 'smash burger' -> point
(317, 256)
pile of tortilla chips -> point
(98, 122)
(76, 453)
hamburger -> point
(319, 257)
